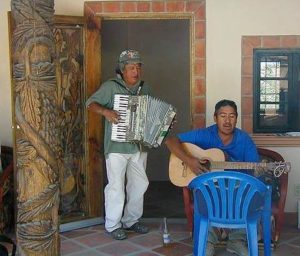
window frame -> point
(292, 79)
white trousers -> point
(125, 170)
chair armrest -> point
(7, 172)
(279, 205)
(188, 207)
(283, 190)
(8, 168)
(283, 179)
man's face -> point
(132, 73)
(226, 119)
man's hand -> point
(112, 116)
(198, 166)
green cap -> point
(130, 56)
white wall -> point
(64, 7)
(5, 93)
(227, 21)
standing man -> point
(125, 162)
(235, 143)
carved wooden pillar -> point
(36, 116)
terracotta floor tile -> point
(286, 250)
(68, 247)
(149, 241)
(145, 254)
(94, 240)
(77, 233)
(119, 248)
(88, 253)
(175, 249)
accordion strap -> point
(138, 90)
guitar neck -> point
(236, 165)
(181, 175)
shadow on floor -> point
(163, 199)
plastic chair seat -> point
(229, 199)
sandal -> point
(138, 228)
(118, 234)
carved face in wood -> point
(38, 59)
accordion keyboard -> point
(119, 130)
(143, 119)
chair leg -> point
(267, 234)
(252, 237)
(188, 207)
(200, 240)
(279, 219)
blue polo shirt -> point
(240, 149)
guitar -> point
(181, 175)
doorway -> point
(164, 45)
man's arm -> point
(175, 146)
(110, 115)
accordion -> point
(143, 119)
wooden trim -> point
(144, 16)
(95, 129)
(195, 12)
(276, 140)
(64, 19)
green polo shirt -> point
(105, 97)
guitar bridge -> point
(184, 169)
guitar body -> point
(180, 174)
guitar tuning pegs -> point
(281, 167)
(288, 166)
(279, 170)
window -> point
(276, 91)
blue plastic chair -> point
(230, 199)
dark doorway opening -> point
(164, 45)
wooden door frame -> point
(191, 9)
(93, 157)
(94, 126)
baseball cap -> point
(130, 56)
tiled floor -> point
(94, 241)
(162, 199)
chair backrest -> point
(229, 198)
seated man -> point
(235, 143)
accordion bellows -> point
(143, 119)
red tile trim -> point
(194, 7)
